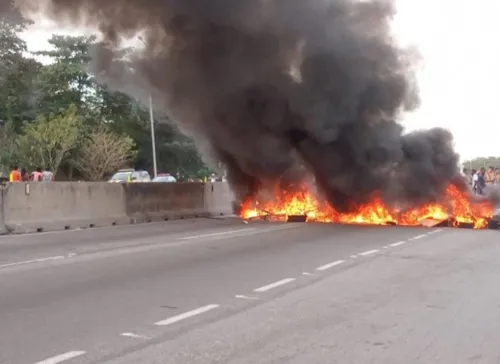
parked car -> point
(130, 175)
(164, 177)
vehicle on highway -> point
(164, 177)
(130, 176)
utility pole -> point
(153, 138)
(152, 122)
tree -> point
(104, 151)
(12, 46)
(65, 80)
(179, 154)
(49, 89)
(8, 146)
(49, 140)
(16, 74)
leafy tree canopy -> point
(52, 114)
(48, 141)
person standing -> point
(490, 176)
(15, 175)
(36, 176)
(25, 176)
(481, 181)
(47, 175)
(474, 180)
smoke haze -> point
(280, 89)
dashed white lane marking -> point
(353, 256)
(369, 252)
(31, 261)
(274, 285)
(185, 315)
(307, 274)
(135, 336)
(243, 297)
(217, 234)
(397, 244)
(330, 265)
(418, 237)
(63, 357)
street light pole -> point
(153, 139)
(152, 122)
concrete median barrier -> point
(36, 207)
(164, 201)
(218, 199)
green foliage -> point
(48, 141)
(9, 147)
(65, 81)
(56, 111)
(17, 75)
(181, 155)
(12, 45)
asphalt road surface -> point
(222, 291)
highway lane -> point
(16, 248)
(435, 300)
(101, 299)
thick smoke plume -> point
(279, 87)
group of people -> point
(36, 176)
(480, 179)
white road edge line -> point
(418, 237)
(436, 231)
(185, 315)
(330, 265)
(397, 244)
(274, 285)
(135, 336)
(217, 234)
(369, 252)
(31, 261)
(63, 357)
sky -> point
(459, 41)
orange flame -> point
(458, 207)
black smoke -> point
(276, 89)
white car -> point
(164, 178)
(130, 175)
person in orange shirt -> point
(15, 175)
(490, 176)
